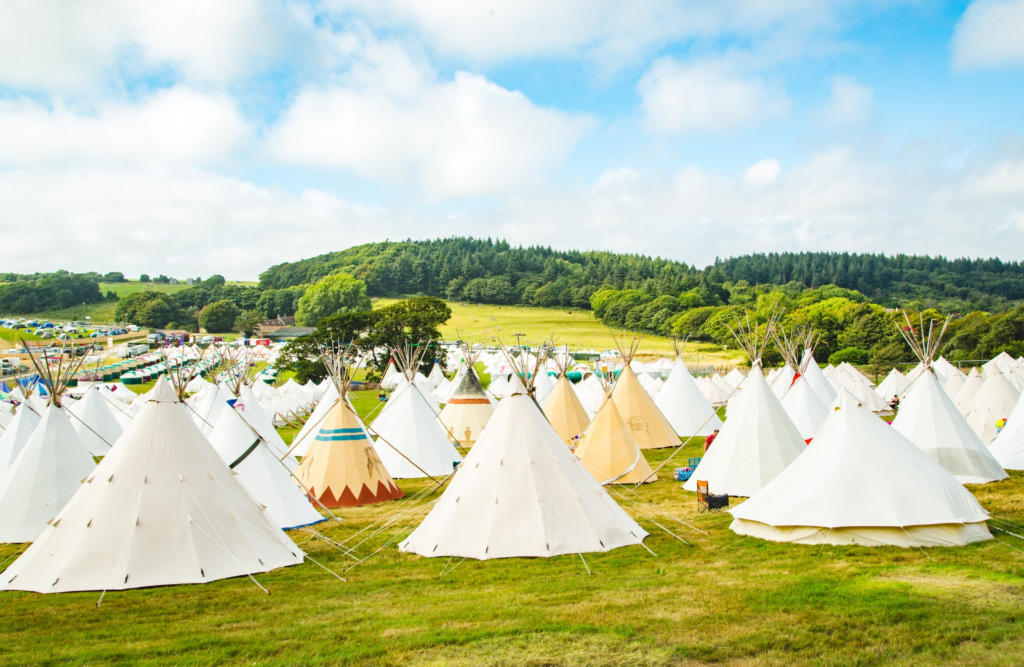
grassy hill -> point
(488, 323)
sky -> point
(225, 136)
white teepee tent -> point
(17, 434)
(521, 493)
(894, 384)
(758, 440)
(95, 423)
(965, 394)
(261, 473)
(993, 401)
(162, 508)
(684, 406)
(819, 383)
(1007, 448)
(907, 500)
(929, 418)
(410, 441)
(47, 472)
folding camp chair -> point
(707, 502)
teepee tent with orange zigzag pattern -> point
(341, 467)
(648, 425)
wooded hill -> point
(486, 271)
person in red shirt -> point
(708, 440)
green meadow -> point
(705, 596)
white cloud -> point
(607, 30)
(761, 173)
(989, 34)
(178, 221)
(393, 120)
(705, 97)
(173, 125)
(187, 222)
(835, 200)
(851, 102)
(72, 46)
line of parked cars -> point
(67, 331)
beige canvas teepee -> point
(468, 409)
(648, 425)
(562, 406)
(609, 452)
(341, 467)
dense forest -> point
(849, 298)
(485, 271)
(47, 291)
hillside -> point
(486, 271)
(483, 323)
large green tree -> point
(336, 294)
(375, 333)
(219, 316)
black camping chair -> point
(708, 502)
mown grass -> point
(487, 324)
(716, 599)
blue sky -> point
(228, 135)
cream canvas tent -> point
(965, 395)
(410, 441)
(94, 421)
(6, 416)
(814, 377)
(436, 376)
(341, 467)
(716, 394)
(16, 435)
(53, 461)
(42, 478)
(892, 386)
(542, 386)
(563, 408)
(993, 401)
(758, 440)
(468, 409)
(929, 419)
(521, 493)
(265, 477)
(608, 451)
(684, 406)
(907, 500)
(1008, 446)
(160, 509)
(783, 380)
(649, 427)
(801, 402)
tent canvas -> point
(521, 493)
(909, 500)
(160, 509)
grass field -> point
(487, 324)
(716, 599)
